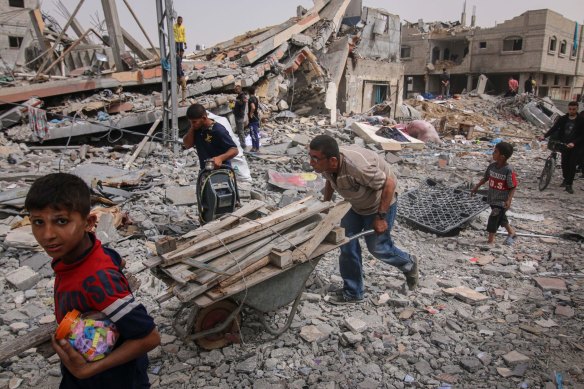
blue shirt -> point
(213, 141)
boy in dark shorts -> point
(502, 184)
(88, 277)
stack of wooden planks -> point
(227, 255)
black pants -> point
(497, 219)
(570, 159)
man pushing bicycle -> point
(569, 129)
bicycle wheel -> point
(547, 173)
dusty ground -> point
(419, 339)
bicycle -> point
(550, 163)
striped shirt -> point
(501, 181)
(360, 179)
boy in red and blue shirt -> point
(502, 184)
(88, 277)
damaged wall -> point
(14, 24)
(519, 46)
(381, 36)
(367, 79)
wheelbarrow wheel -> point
(213, 316)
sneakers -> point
(569, 189)
(412, 275)
(342, 299)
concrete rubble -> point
(483, 316)
(479, 319)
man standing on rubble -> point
(254, 120)
(569, 129)
(180, 37)
(513, 85)
(366, 181)
(445, 83)
(528, 86)
(182, 79)
(210, 138)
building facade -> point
(15, 21)
(540, 43)
(373, 73)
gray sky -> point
(210, 22)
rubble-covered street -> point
(426, 96)
(483, 317)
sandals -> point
(510, 240)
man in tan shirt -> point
(366, 181)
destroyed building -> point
(337, 56)
(14, 23)
(541, 43)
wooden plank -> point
(281, 259)
(180, 273)
(217, 225)
(245, 272)
(247, 241)
(236, 233)
(262, 274)
(331, 220)
(336, 235)
(22, 343)
(226, 263)
(142, 143)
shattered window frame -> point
(556, 79)
(483, 45)
(552, 44)
(406, 49)
(512, 44)
(544, 79)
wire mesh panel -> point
(438, 208)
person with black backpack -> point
(254, 120)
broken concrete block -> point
(21, 238)
(216, 84)
(300, 139)
(514, 358)
(563, 310)
(552, 284)
(352, 338)
(505, 271)
(283, 105)
(312, 334)
(301, 40)
(356, 325)
(199, 88)
(406, 313)
(23, 278)
(466, 294)
(230, 79)
(182, 195)
(18, 326)
(210, 74)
